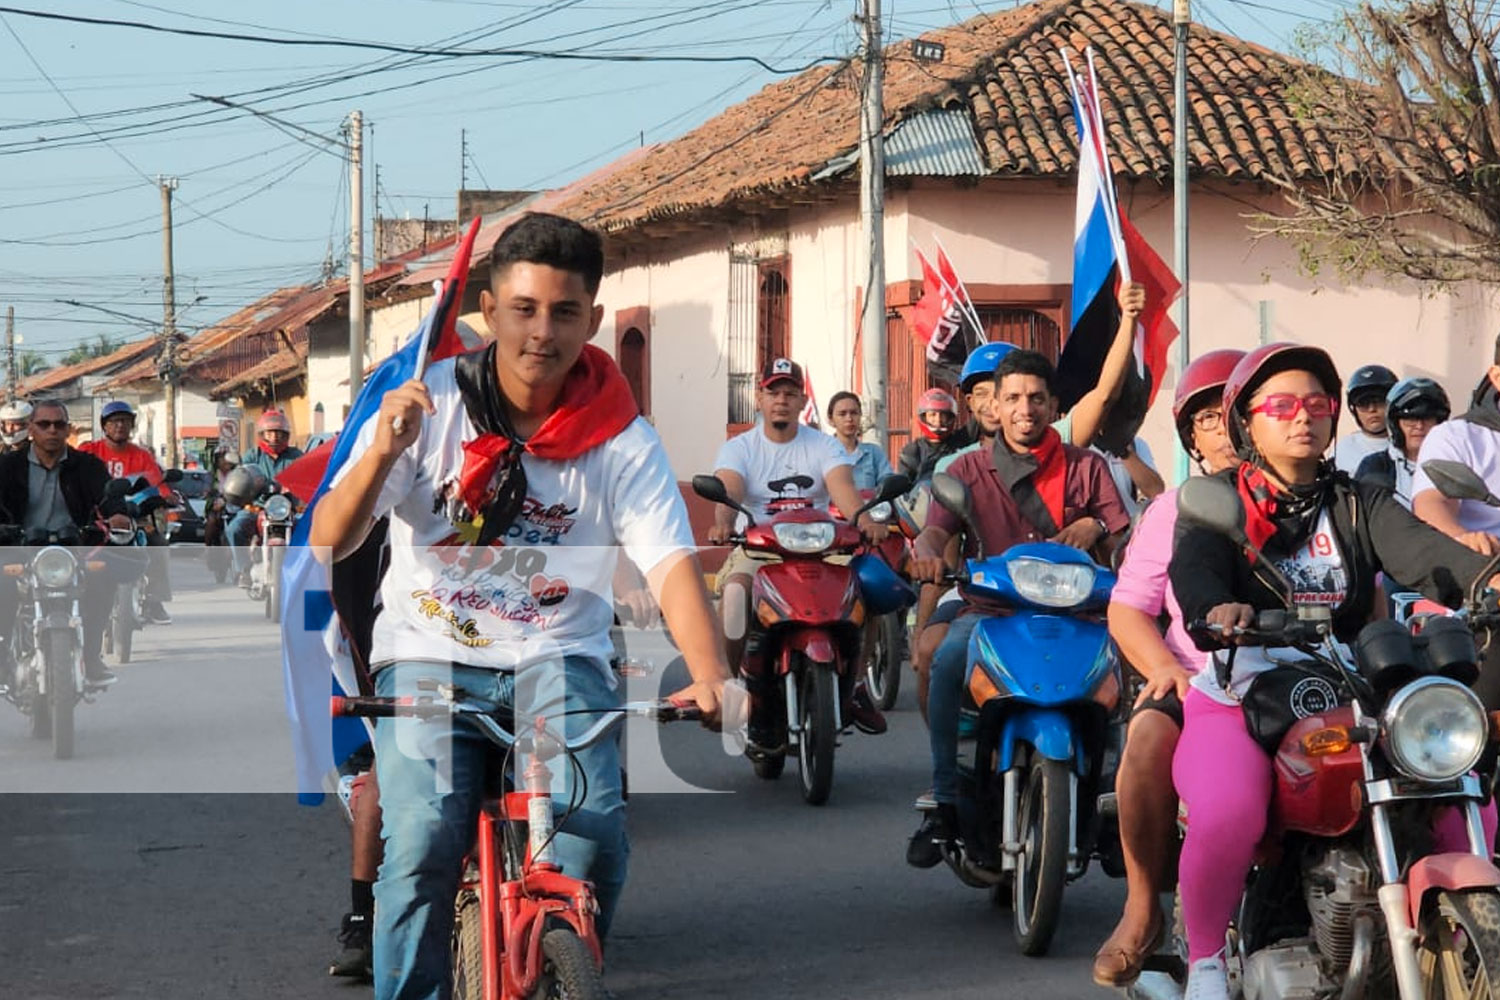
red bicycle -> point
(522, 929)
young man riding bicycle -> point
(509, 475)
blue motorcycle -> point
(1039, 677)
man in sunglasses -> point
(510, 474)
(47, 486)
(1474, 440)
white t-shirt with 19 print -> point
(546, 591)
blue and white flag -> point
(312, 648)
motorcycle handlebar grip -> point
(370, 708)
(670, 711)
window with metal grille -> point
(759, 325)
(1023, 327)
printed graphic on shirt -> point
(1316, 570)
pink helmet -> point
(1260, 364)
(1202, 379)
(936, 401)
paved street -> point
(150, 886)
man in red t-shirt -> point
(125, 459)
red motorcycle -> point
(1351, 897)
(807, 619)
(522, 929)
(886, 647)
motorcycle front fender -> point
(813, 643)
(1048, 731)
(1454, 871)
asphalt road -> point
(168, 860)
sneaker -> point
(244, 580)
(926, 802)
(357, 960)
(863, 713)
(156, 613)
(1207, 980)
(938, 829)
(96, 673)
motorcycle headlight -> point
(881, 513)
(813, 537)
(1434, 729)
(54, 567)
(1052, 585)
(279, 508)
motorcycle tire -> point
(883, 671)
(568, 969)
(468, 949)
(59, 654)
(120, 630)
(1460, 950)
(1042, 869)
(818, 735)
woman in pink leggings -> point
(1330, 537)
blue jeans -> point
(945, 694)
(241, 531)
(431, 776)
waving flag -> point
(942, 318)
(311, 646)
(809, 415)
(1108, 251)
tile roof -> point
(54, 377)
(1006, 70)
(279, 367)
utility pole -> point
(1181, 21)
(872, 226)
(356, 257)
(10, 354)
(167, 363)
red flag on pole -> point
(1155, 330)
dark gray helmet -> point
(243, 486)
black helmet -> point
(1370, 382)
(243, 486)
(1411, 398)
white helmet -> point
(16, 411)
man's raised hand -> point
(399, 422)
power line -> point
(446, 53)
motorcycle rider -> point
(48, 486)
(1030, 486)
(1474, 440)
(1281, 405)
(15, 419)
(940, 434)
(1368, 387)
(1147, 802)
(272, 453)
(1413, 408)
(748, 464)
(845, 416)
(536, 433)
(127, 460)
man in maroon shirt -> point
(1029, 487)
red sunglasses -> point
(1286, 406)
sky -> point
(91, 115)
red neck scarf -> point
(1258, 494)
(266, 449)
(595, 404)
(1051, 475)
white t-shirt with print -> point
(760, 462)
(1318, 577)
(544, 592)
(1472, 445)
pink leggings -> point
(1224, 779)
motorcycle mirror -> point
(172, 476)
(1216, 505)
(1457, 481)
(891, 487)
(712, 488)
(954, 496)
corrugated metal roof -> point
(931, 144)
(935, 144)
